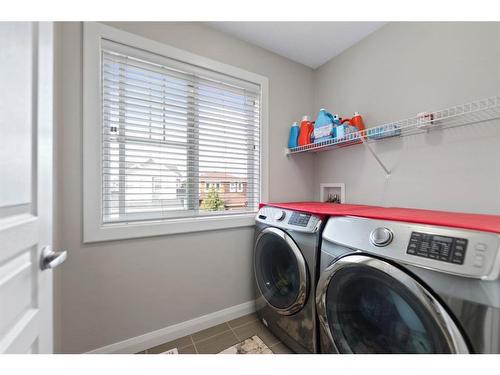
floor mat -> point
(171, 351)
(253, 345)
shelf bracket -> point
(374, 154)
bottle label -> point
(323, 131)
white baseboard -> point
(151, 339)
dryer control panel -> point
(444, 248)
(452, 250)
(286, 219)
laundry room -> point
(277, 185)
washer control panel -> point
(286, 219)
(299, 218)
(443, 248)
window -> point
(210, 186)
(173, 136)
(236, 187)
(157, 185)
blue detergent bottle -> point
(293, 139)
(324, 127)
(340, 129)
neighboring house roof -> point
(220, 177)
(204, 177)
(163, 167)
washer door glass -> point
(280, 271)
(371, 312)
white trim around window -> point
(94, 229)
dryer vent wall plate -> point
(330, 191)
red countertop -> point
(486, 223)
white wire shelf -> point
(469, 113)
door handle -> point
(51, 259)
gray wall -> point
(395, 73)
(108, 292)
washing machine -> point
(285, 267)
(397, 287)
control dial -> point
(279, 215)
(381, 237)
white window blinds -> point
(176, 139)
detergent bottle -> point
(350, 125)
(306, 130)
(338, 128)
(293, 140)
(355, 123)
(324, 126)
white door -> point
(26, 106)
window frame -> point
(93, 228)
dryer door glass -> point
(369, 311)
(280, 271)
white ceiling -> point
(308, 43)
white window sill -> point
(121, 231)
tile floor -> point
(215, 339)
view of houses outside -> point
(232, 190)
(167, 190)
